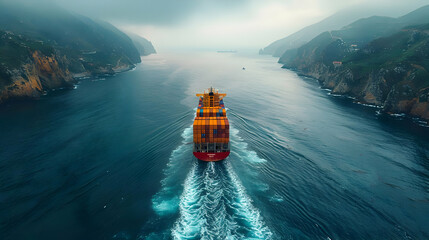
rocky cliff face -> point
(39, 74)
(393, 89)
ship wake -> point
(210, 201)
(166, 201)
(214, 205)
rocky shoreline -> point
(371, 91)
(42, 74)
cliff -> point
(43, 48)
(143, 45)
(301, 37)
(28, 68)
(382, 61)
(389, 72)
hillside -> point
(335, 45)
(72, 45)
(28, 68)
(90, 45)
(398, 68)
(143, 45)
(333, 22)
(391, 72)
(339, 43)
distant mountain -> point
(379, 60)
(143, 45)
(416, 16)
(351, 37)
(333, 22)
(46, 47)
(334, 45)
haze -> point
(223, 24)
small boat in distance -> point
(211, 127)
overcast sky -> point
(221, 24)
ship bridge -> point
(211, 98)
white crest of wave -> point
(214, 205)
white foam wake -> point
(214, 205)
(240, 148)
(166, 201)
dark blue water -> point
(112, 159)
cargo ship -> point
(211, 127)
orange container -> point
(212, 123)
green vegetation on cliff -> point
(403, 60)
(85, 42)
(333, 22)
(352, 37)
(15, 52)
(379, 60)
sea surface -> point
(112, 159)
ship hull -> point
(211, 156)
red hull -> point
(210, 156)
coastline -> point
(380, 112)
(71, 85)
(121, 69)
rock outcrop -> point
(33, 69)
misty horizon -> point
(221, 25)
